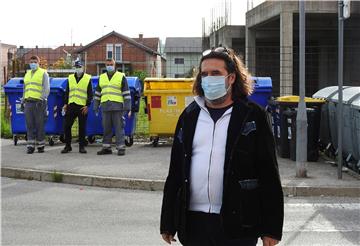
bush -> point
(5, 125)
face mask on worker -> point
(79, 70)
(110, 68)
(33, 66)
(214, 87)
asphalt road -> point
(40, 213)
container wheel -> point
(51, 141)
(129, 141)
(91, 139)
(155, 141)
(15, 139)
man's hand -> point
(65, 107)
(129, 114)
(268, 241)
(84, 110)
(168, 238)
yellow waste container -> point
(165, 99)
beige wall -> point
(4, 49)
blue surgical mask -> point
(34, 66)
(110, 68)
(214, 87)
(79, 70)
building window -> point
(179, 75)
(179, 60)
(118, 52)
(109, 51)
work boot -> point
(121, 151)
(30, 150)
(105, 151)
(82, 150)
(41, 149)
(67, 149)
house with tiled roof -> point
(52, 55)
(130, 54)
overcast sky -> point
(50, 23)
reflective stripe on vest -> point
(78, 91)
(111, 90)
(33, 84)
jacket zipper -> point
(212, 145)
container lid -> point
(295, 99)
(134, 82)
(349, 94)
(58, 83)
(14, 83)
(356, 103)
(169, 80)
(262, 82)
(327, 92)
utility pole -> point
(301, 117)
(343, 13)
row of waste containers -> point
(165, 99)
(322, 124)
(54, 125)
(351, 122)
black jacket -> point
(252, 195)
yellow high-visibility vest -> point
(33, 84)
(111, 90)
(78, 91)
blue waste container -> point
(262, 91)
(54, 124)
(130, 122)
(94, 122)
(14, 91)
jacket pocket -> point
(250, 202)
(248, 184)
(248, 128)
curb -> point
(80, 179)
(153, 185)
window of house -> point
(179, 60)
(109, 51)
(179, 75)
(118, 52)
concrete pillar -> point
(250, 47)
(286, 53)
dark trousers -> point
(74, 111)
(204, 229)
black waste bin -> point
(313, 120)
(281, 124)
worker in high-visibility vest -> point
(78, 96)
(34, 104)
(113, 95)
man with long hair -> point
(223, 186)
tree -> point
(61, 64)
(43, 62)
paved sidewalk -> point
(145, 167)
